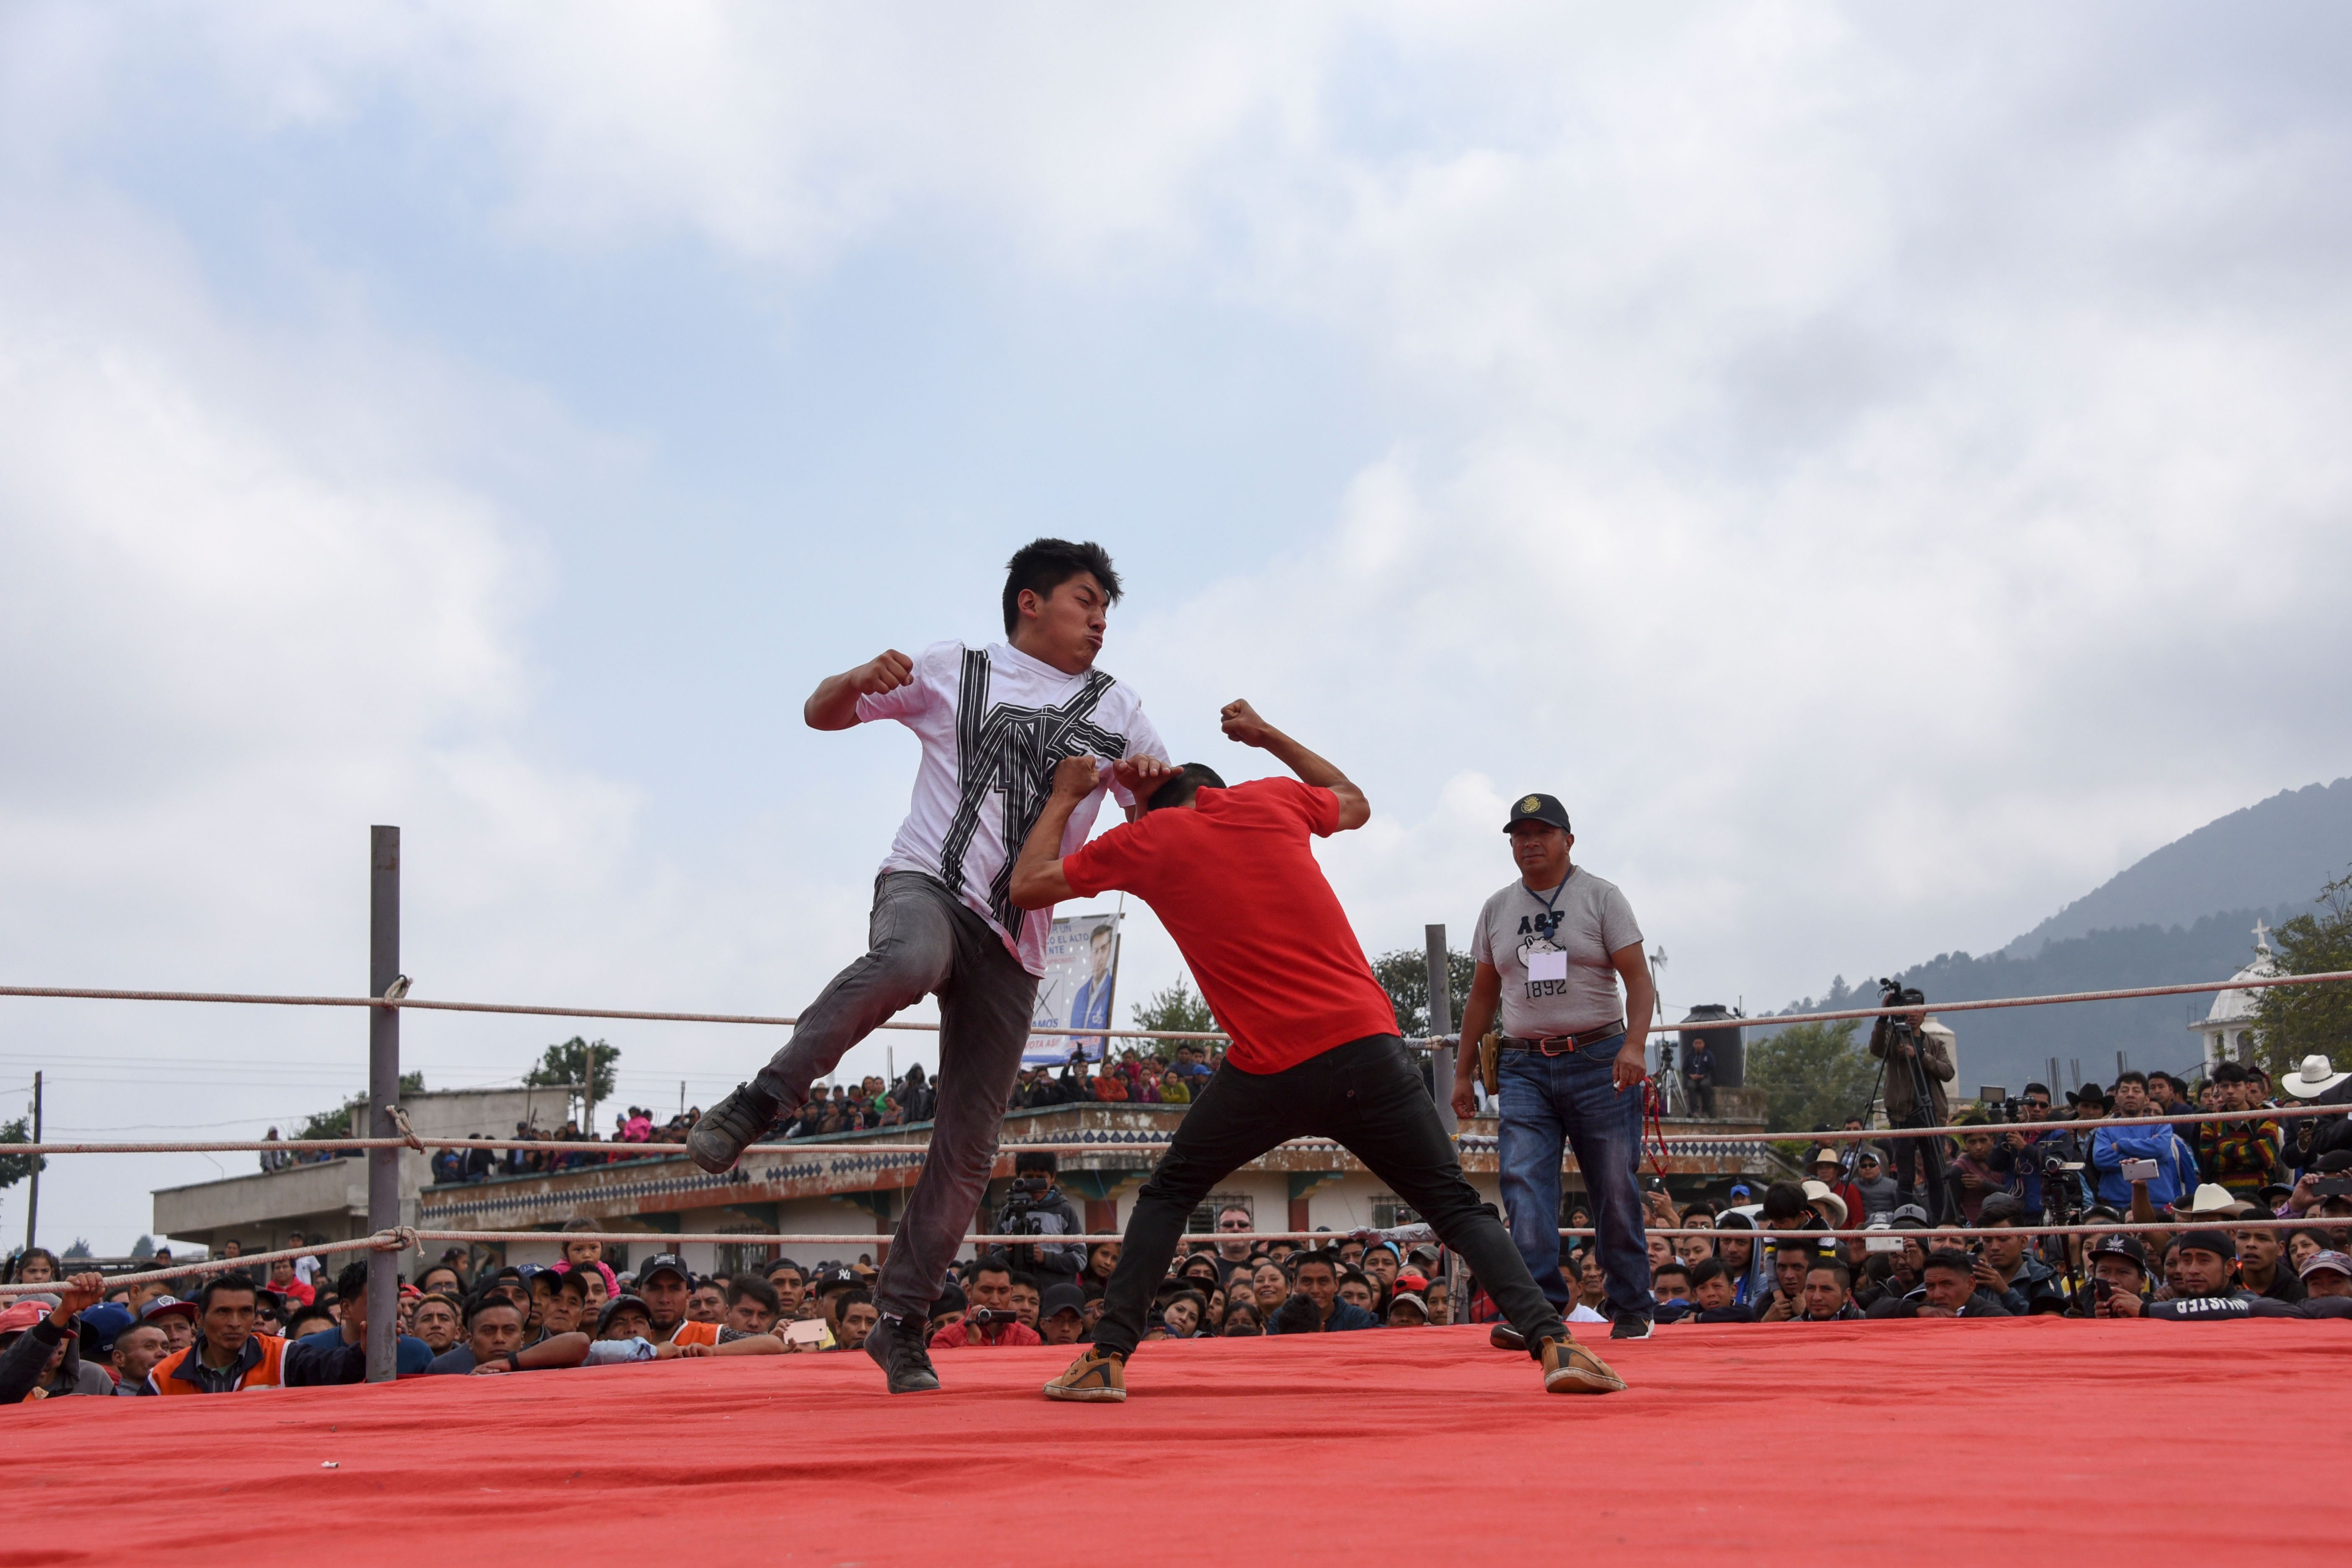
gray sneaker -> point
(905, 1364)
(718, 1139)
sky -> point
(1882, 468)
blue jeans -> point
(1572, 1099)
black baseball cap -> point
(624, 1302)
(664, 1263)
(2213, 1241)
(1545, 808)
(1061, 1299)
(2123, 1246)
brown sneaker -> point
(1095, 1379)
(1569, 1368)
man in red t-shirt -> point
(1233, 877)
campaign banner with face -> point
(1081, 972)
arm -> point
(562, 1349)
(1641, 1002)
(1477, 1017)
(833, 704)
(1241, 722)
(1037, 879)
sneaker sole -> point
(695, 1152)
(1085, 1396)
(1573, 1379)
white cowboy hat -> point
(1832, 1206)
(2316, 1077)
(2208, 1198)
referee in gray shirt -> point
(1551, 948)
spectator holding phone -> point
(2122, 1159)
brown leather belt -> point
(1561, 1044)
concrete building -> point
(328, 1201)
(2227, 1030)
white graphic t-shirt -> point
(995, 722)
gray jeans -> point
(922, 941)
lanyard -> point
(1551, 904)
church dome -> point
(2234, 1007)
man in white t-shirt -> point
(995, 722)
(1550, 949)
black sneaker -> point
(1631, 1328)
(899, 1351)
(1504, 1337)
(726, 1128)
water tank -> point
(1726, 1042)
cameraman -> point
(1035, 1206)
(1903, 1044)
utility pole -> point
(588, 1095)
(383, 1100)
(1440, 1022)
(33, 1193)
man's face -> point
(1025, 1302)
(436, 1322)
(2004, 1250)
(707, 1304)
(2258, 1250)
(281, 1273)
(1065, 627)
(993, 1289)
(1912, 1259)
(1356, 1293)
(747, 1316)
(1715, 1292)
(1063, 1328)
(2131, 1099)
(1352, 1253)
(565, 1310)
(2160, 1095)
(179, 1332)
(1824, 1297)
(1692, 1248)
(665, 1297)
(1234, 1220)
(1736, 1248)
(137, 1349)
(1098, 953)
(628, 1323)
(2122, 1275)
(1662, 1252)
(1540, 852)
(1672, 1285)
(2327, 1282)
(497, 1330)
(1947, 1289)
(229, 1321)
(1979, 1146)
(1382, 1264)
(1789, 1271)
(1320, 1285)
(790, 1289)
(857, 1320)
(2200, 1272)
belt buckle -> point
(1544, 1044)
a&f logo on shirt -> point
(1546, 964)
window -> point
(1389, 1211)
(1203, 1219)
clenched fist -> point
(1241, 722)
(888, 672)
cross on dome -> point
(2262, 935)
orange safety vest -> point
(689, 1332)
(263, 1374)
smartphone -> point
(807, 1332)
(2333, 1187)
(2139, 1170)
(2101, 1288)
(1882, 1244)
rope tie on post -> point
(399, 1121)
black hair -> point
(303, 1314)
(1946, 1257)
(220, 1282)
(2040, 1088)
(352, 1280)
(1783, 1200)
(485, 1301)
(753, 1288)
(994, 1263)
(2133, 1076)
(1800, 1242)
(1327, 1260)
(1837, 1266)
(1043, 565)
(1297, 1315)
(1663, 1269)
(1708, 1269)
(2000, 1209)
(1035, 1160)
(1179, 787)
(849, 1299)
(1019, 1278)
(770, 1271)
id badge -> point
(1542, 966)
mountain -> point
(2184, 912)
(2272, 855)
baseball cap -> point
(836, 1279)
(1060, 1299)
(951, 1299)
(2213, 1241)
(1407, 1298)
(1909, 1214)
(2319, 1260)
(99, 1324)
(1544, 808)
(22, 1316)
(1411, 1282)
(166, 1307)
(1742, 1190)
(2126, 1247)
(664, 1263)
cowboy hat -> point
(2315, 1077)
(1831, 1207)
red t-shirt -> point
(1234, 882)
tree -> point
(566, 1067)
(1811, 1074)
(14, 1168)
(342, 1121)
(142, 1249)
(2292, 1022)
(1404, 976)
(80, 1248)
(1177, 1007)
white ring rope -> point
(1113, 1144)
(2254, 982)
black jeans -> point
(1367, 1095)
(1919, 1174)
